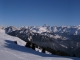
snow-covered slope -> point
(11, 51)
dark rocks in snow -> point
(15, 42)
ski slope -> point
(11, 51)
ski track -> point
(18, 56)
(13, 54)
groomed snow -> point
(11, 51)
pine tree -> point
(43, 49)
(33, 46)
(74, 55)
(28, 44)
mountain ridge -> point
(57, 40)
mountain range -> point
(64, 38)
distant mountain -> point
(74, 30)
(64, 38)
(62, 32)
(58, 33)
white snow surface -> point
(11, 51)
(75, 30)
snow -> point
(11, 51)
(75, 30)
(57, 36)
(67, 29)
(55, 29)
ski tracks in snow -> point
(24, 56)
(8, 52)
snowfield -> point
(11, 51)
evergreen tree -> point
(43, 49)
(28, 44)
(74, 55)
(33, 46)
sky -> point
(39, 12)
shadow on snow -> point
(13, 46)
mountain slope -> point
(70, 47)
(11, 51)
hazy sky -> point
(39, 12)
